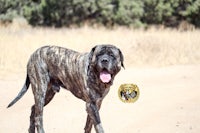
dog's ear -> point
(121, 58)
(92, 55)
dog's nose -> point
(104, 60)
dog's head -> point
(106, 60)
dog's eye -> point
(112, 55)
(99, 55)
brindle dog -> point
(88, 76)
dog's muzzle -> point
(105, 75)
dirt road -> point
(169, 102)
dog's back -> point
(61, 64)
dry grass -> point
(152, 47)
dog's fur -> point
(52, 67)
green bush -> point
(8, 10)
(106, 12)
(155, 11)
(129, 12)
(192, 12)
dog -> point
(87, 75)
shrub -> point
(106, 12)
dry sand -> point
(169, 102)
(169, 99)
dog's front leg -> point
(88, 125)
(89, 121)
(93, 113)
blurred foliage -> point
(135, 13)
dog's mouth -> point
(105, 76)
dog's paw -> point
(99, 128)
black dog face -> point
(107, 61)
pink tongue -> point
(105, 77)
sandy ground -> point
(169, 102)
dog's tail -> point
(22, 92)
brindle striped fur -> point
(52, 67)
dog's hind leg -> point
(49, 96)
(39, 79)
(39, 96)
(32, 120)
